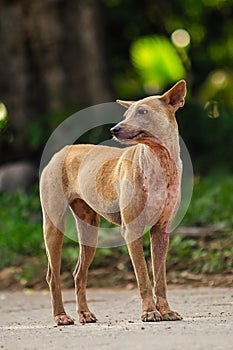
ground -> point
(26, 321)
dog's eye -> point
(142, 111)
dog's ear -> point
(175, 96)
(125, 104)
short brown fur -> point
(134, 187)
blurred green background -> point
(57, 57)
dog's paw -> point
(86, 317)
(171, 316)
(63, 320)
(151, 316)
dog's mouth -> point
(131, 138)
(140, 134)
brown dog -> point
(133, 187)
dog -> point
(134, 187)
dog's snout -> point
(115, 130)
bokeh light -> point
(3, 115)
(219, 78)
(180, 38)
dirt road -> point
(26, 323)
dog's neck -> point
(166, 153)
(170, 144)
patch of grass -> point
(21, 232)
(211, 205)
(202, 255)
(212, 202)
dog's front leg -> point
(87, 233)
(159, 240)
(135, 247)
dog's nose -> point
(115, 130)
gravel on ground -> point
(26, 321)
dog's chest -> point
(162, 186)
(155, 188)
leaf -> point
(212, 109)
(156, 61)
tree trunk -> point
(51, 59)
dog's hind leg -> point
(87, 222)
(54, 208)
(53, 238)
(159, 240)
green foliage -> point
(206, 66)
(209, 54)
(39, 130)
(211, 206)
(21, 231)
(212, 202)
(201, 255)
(156, 61)
(209, 140)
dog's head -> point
(150, 118)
